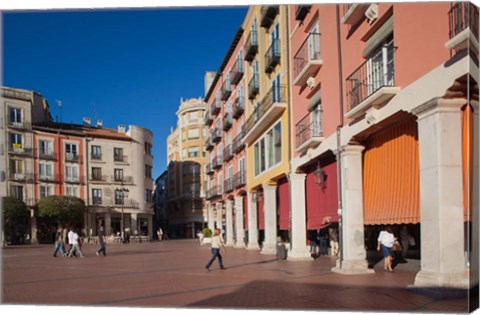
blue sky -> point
(121, 66)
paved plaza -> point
(172, 274)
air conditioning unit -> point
(372, 13)
(311, 82)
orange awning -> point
(391, 175)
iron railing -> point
(238, 144)
(239, 179)
(236, 73)
(306, 129)
(268, 14)
(461, 16)
(310, 50)
(253, 87)
(251, 46)
(227, 121)
(301, 12)
(226, 90)
(275, 95)
(227, 153)
(228, 184)
(272, 56)
(238, 107)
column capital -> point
(438, 105)
(296, 176)
(349, 149)
(269, 187)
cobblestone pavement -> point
(172, 274)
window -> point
(73, 191)
(118, 155)
(45, 148)
(16, 192)
(71, 173)
(193, 115)
(16, 167)
(15, 115)
(314, 42)
(148, 195)
(96, 152)
(193, 133)
(96, 173)
(96, 196)
(268, 150)
(119, 197)
(118, 174)
(148, 148)
(45, 191)
(16, 141)
(71, 149)
(45, 171)
(148, 171)
(193, 152)
(380, 66)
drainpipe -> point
(339, 128)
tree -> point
(16, 218)
(64, 210)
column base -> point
(299, 255)
(449, 280)
(230, 244)
(353, 267)
(269, 249)
(239, 245)
(253, 247)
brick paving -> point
(172, 274)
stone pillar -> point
(133, 223)
(252, 223)
(298, 246)
(270, 205)
(108, 224)
(353, 259)
(219, 216)
(239, 231)
(229, 219)
(211, 216)
(474, 263)
(441, 195)
(33, 228)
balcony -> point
(217, 162)
(307, 60)
(463, 21)
(226, 90)
(96, 157)
(17, 149)
(120, 158)
(227, 153)
(48, 178)
(21, 125)
(270, 109)
(272, 56)
(236, 73)
(251, 46)
(20, 177)
(217, 135)
(301, 12)
(239, 179)
(208, 144)
(371, 84)
(253, 87)
(238, 144)
(208, 118)
(209, 169)
(215, 108)
(97, 201)
(47, 155)
(228, 184)
(98, 178)
(354, 12)
(238, 107)
(213, 193)
(227, 121)
(122, 179)
(308, 134)
(72, 157)
(73, 180)
(268, 15)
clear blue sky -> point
(134, 65)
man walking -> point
(59, 243)
(70, 239)
(76, 245)
(101, 242)
(217, 243)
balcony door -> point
(380, 66)
(15, 116)
(314, 42)
(16, 141)
(276, 89)
(274, 36)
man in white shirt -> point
(70, 239)
(76, 246)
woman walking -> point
(385, 243)
(217, 243)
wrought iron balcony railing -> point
(228, 184)
(72, 157)
(461, 16)
(253, 87)
(251, 46)
(268, 14)
(226, 90)
(19, 125)
(216, 135)
(227, 121)
(236, 73)
(238, 144)
(275, 95)
(16, 149)
(239, 179)
(307, 56)
(238, 107)
(301, 12)
(272, 56)
(306, 129)
(227, 153)
(47, 155)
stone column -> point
(353, 259)
(108, 224)
(211, 216)
(252, 223)
(239, 232)
(229, 221)
(219, 217)
(298, 242)
(270, 205)
(441, 195)
(33, 228)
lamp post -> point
(123, 192)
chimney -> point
(86, 121)
(99, 123)
(121, 128)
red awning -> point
(321, 201)
(284, 203)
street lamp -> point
(122, 192)
(320, 175)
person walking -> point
(217, 243)
(160, 234)
(70, 239)
(101, 242)
(406, 239)
(384, 244)
(333, 235)
(76, 245)
(59, 244)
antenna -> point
(59, 103)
